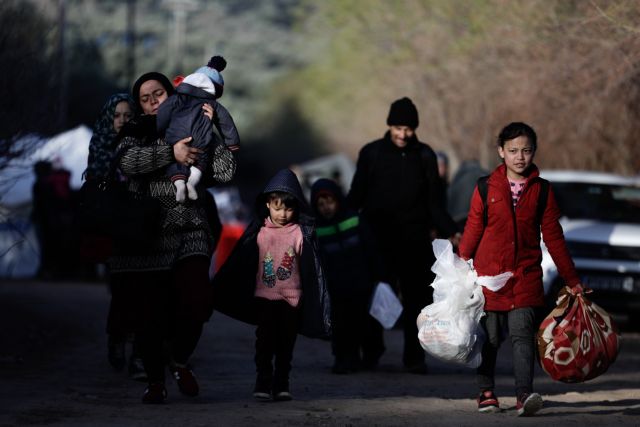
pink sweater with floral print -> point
(279, 249)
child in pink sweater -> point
(274, 279)
(278, 292)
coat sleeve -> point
(358, 191)
(378, 269)
(223, 164)
(437, 208)
(235, 282)
(474, 228)
(226, 127)
(315, 316)
(135, 159)
(553, 238)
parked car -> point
(601, 223)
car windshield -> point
(602, 202)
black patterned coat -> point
(142, 157)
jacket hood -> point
(284, 181)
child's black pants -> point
(275, 339)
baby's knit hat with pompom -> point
(213, 69)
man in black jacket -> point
(396, 187)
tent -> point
(69, 149)
(19, 251)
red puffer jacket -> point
(511, 242)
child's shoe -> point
(488, 402)
(186, 380)
(262, 390)
(283, 396)
(281, 390)
(155, 393)
(528, 404)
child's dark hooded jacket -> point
(347, 245)
(234, 285)
(185, 107)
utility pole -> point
(130, 57)
(179, 9)
(63, 106)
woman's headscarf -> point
(102, 144)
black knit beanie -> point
(403, 113)
(153, 75)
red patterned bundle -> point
(578, 340)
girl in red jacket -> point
(510, 241)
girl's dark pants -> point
(521, 326)
(167, 307)
(275, 339)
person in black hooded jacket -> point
(273, 279)
(352, 269)
(396, 188)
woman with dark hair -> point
(167, 283)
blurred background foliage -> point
(569, 68)
(306, 78)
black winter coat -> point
(234, 285)
(398, 191)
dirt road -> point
(53, 371)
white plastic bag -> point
(449, 329)
(385, 305)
